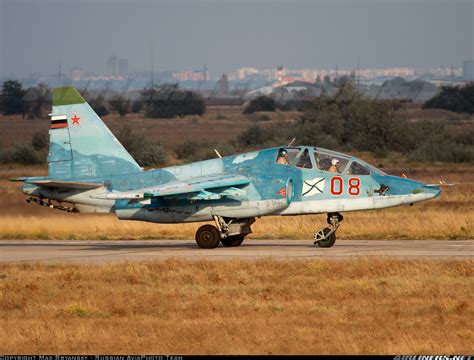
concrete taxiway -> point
(86, 251)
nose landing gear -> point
(326, 237)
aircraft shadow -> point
(169, 245)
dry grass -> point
(387, 224)
(449, 217)
(264, 307)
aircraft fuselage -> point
(303, 186)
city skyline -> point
(38, 36)
(117, 69)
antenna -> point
(217, 153)
(292, 141)
(151, 67)
(203, 77)
(358, 72)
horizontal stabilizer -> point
(65, 184)
(20, 179)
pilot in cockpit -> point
(283, 157)
(333, 168)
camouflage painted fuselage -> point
(274, 189)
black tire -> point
(233, 241)
(208, 237)
(327, 243)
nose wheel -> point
(326, 237)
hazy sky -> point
(36, 35)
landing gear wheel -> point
(233, 241)
(327, 242)
(208, 237)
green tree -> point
(136, 106)
(454, 98)
(168, 101)
(36, 98)
(22, 154)
(98, 104)
(253, 136)
(194, 150)
(431, 141)
(40, 140)
(11, 98)
(145, 152)
(350, 120)
(260, 103)
(120, 104)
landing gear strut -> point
(326, 237)
(230, 232)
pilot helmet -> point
(282, 152)
(334, 162)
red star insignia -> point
(75, 119)
(282, 192)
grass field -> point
(234, 307)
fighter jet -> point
(89, 171)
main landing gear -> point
(326, 237)
(230, 232)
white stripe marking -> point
(58, 117)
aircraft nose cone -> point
(434, 191)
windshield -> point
(324, 162)
(357, 169)
(331, 162)
(372, 168)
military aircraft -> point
(89, 171)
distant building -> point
(123, 67)
(242, 73)
(468, 70)
(78, 74)
(223, 86)
(280, 74)
(112, 65)
(191, 75)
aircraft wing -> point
(210, 187)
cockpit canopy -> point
(324, 160)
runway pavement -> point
(80, 251)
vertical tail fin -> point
(81, 146)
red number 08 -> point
(337, 186)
